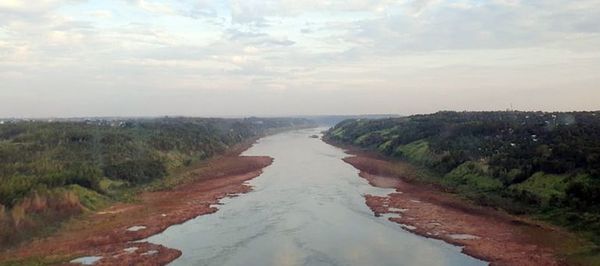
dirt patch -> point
(485, 233)
(105, 233)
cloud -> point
(25, 11)
(153, 7)
(450, 25)
(101, 14)
(256, 38)
(419, 6)
(25, 7)
(253, 12)
(194, 9)
(392, 54)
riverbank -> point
(483, 232)
(112, 235)
(307, 208)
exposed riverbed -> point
(307, 208)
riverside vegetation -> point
(546, 165)
(51, 171)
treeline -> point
(46, 162)
(546, 164)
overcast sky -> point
(296, 57)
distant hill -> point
(331, 120)
(526, 162)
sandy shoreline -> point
(111, 232)
(484, 233)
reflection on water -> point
(307, 208)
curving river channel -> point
(307, 208)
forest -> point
(50, 171)
(536, 163)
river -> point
(307, 208)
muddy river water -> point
(307, 208)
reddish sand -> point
(106, 233)
(485, 233)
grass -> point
(472, 176)
(338, 132)
(90, 199)
(107, 184)
(417, 151)
(361, 139)
(383, 147)
(544, 186)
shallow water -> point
(90, 260)
(136, 228)
(307, 208)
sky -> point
(73, 58)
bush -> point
(137, 172)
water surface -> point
(307, 208)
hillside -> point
(542, 164)
(50, 171)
